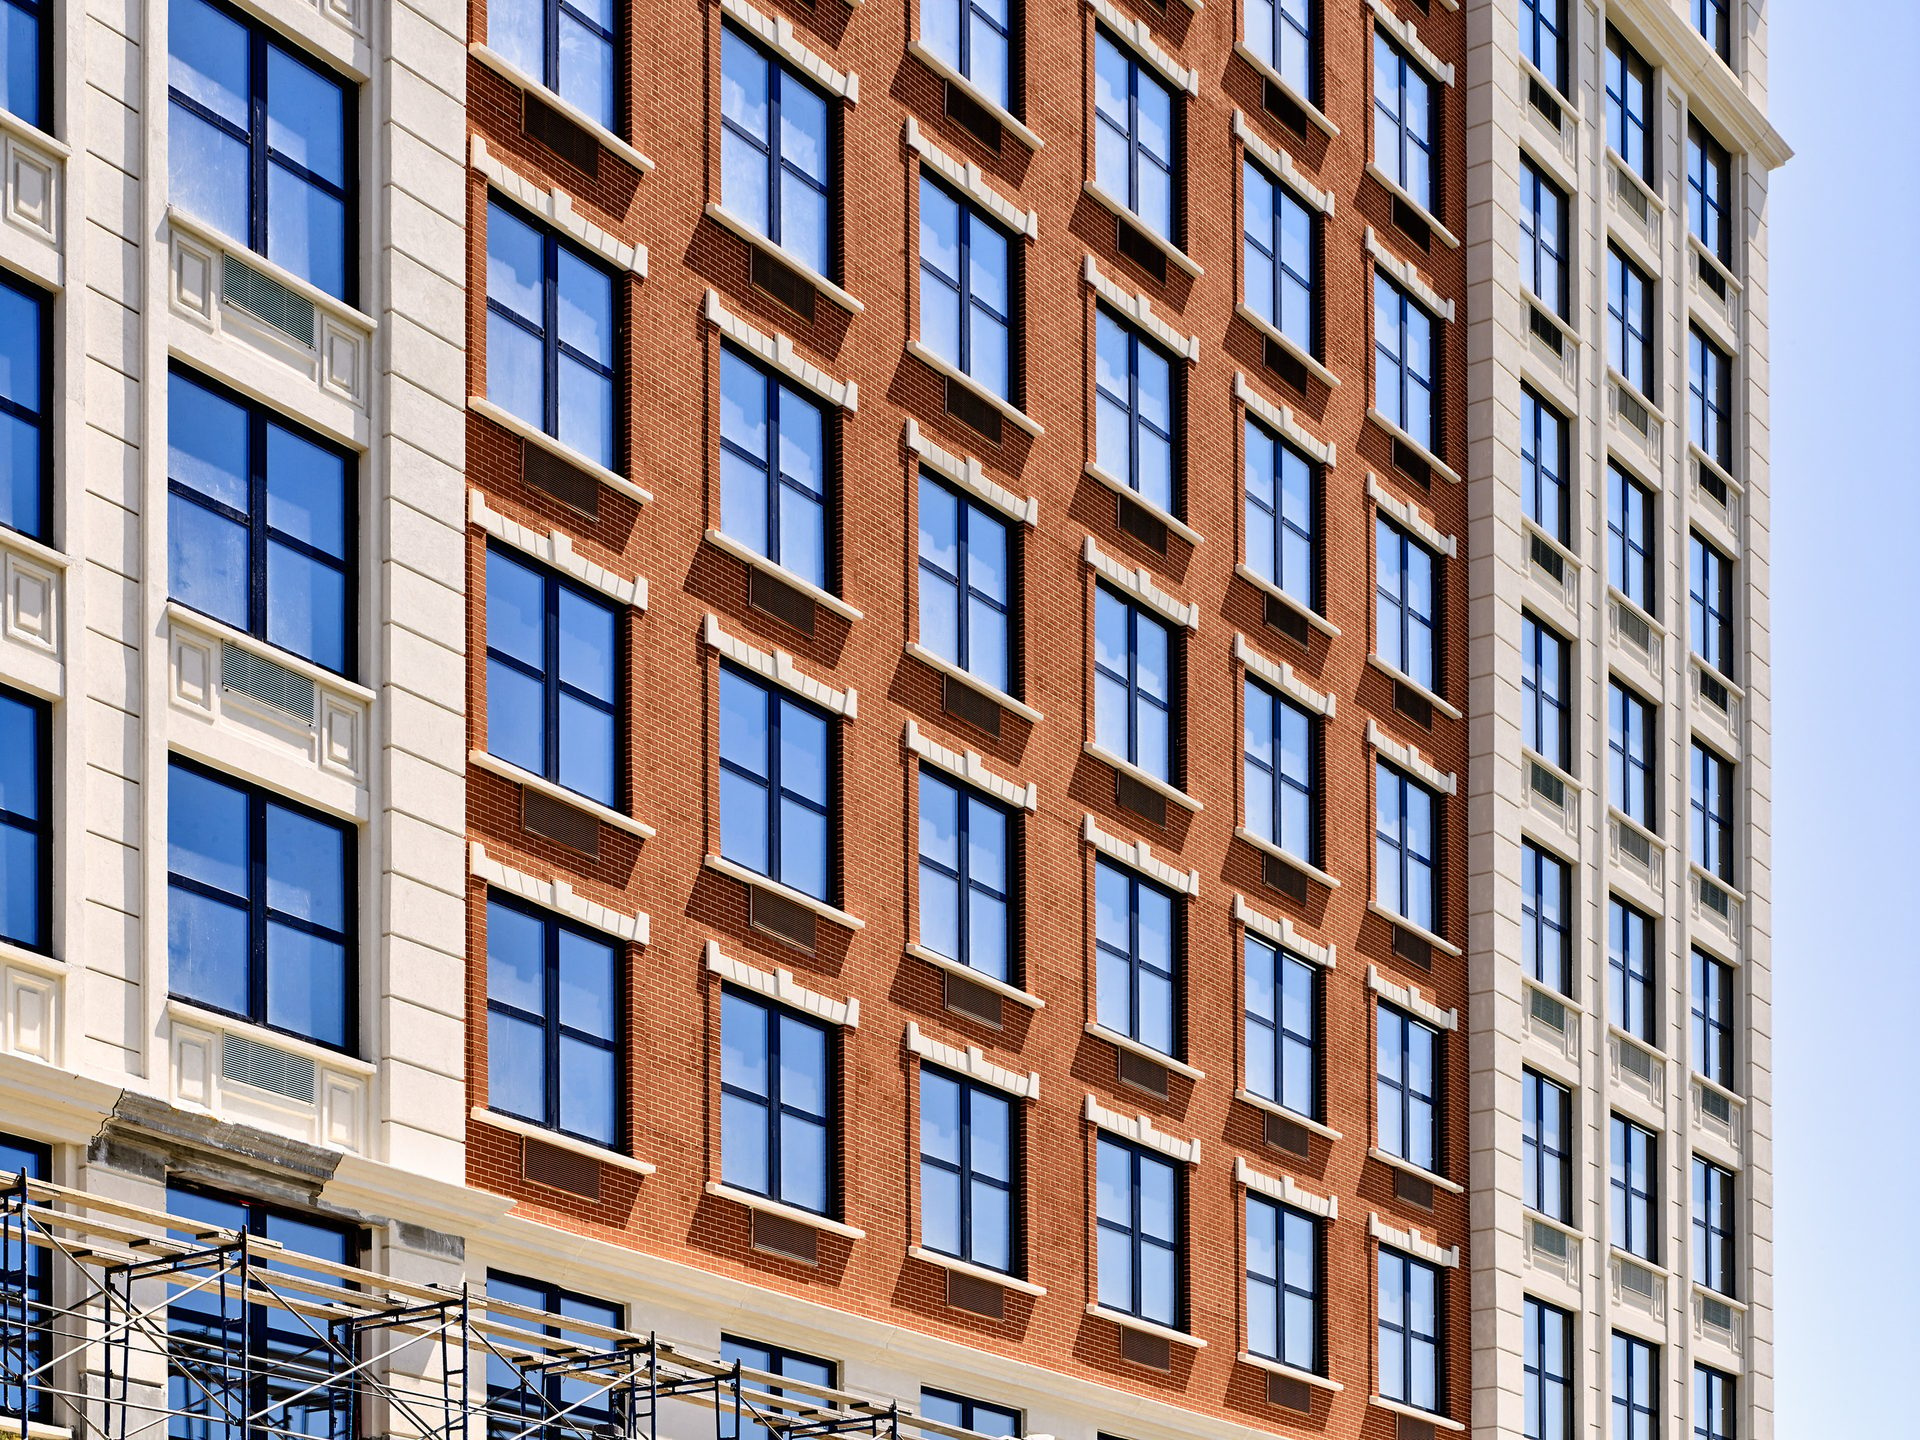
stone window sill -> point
(1420, 1172)
(1112, 203)
(1393, 187)
(753, 878)
(1440, 467)
(967, 972)
(1290, 1372)
(533, 435)
(1287, 857)
(727, 220)
(1272, 76)
(539, 784)
(1007, 120)
(1152, 782)
(511, 1125)
(514, 76)
(1267, 587)
(1400, 677)
(975, 1272)
(1271, 1107)
(973, 682)
(751, 1201)
(1293, 347)
(999, 403)
(1413, 927)
(1145, 1052)
(752, 558)
(1414, 1412)
(1165, 517)
(1146, 1327)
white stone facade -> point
(1512, 1022)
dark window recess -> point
(1710, 276)
(973, 117)
(1544, 101)
(1714, 486)
(1412, 704)
(1286, 365)
(560, 1169)
(1135, 246)
(1290, 1394)
(981, 1297)
(1287, 620)
(781, 918)
(1141, 1073)
(1290, 882)
(1545, 331)
(573, 144)
(969, 408)
(1412, 1189)
(963, 702)
(1408, 220)
(784, 283)
(1412, 948)
(1284, 108)
(1713, 692)
(777, 1235)
(1153, 1351)
(1142, 799)
(572, 487)
(972, 1000)
(1547, 558)
(1411, 1428)
(559, 822)
(1288, 1135)
(1136, 520)
(1411, 463)
(773, 596)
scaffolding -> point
(119, 1322)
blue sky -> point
(1846, 394)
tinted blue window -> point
(553, 666)
(965, 584)
(774, 807)
(776, 1103)
(26, 821)
(1138, 1221)
(1283, 1284)
(771, 1360)
(1407, 1076)
(966, 1170)
(1713, 1226)
(1629, 78)
(1543, 29)
(259, 143)
(1710, 399)
(1405, 603)
(974, 1415)
(26, 1290)
(25, 459)
(1133, 135)
(1630, 993)
(1711, 19)
(23, 59)
(1281, 34)
(1409, 1329)
(1279, 257)
(1279, 753)
(1636, 1389)
(279, 1388)
(965, 876)
(774, 150)
(519, 1398)
(1712, 812)
(1630, 321)
(259, 523)
(1403, 374)
(1405, 841)
(1630, 754)
(1630, 538)
(1715, 1416)
(1546, 1160)
(1280, 515)
(1709, 190)
(1283, 1027)
(773, 468)
(1544, 682)
(553, 1005)
(1134, 948)
(974, 37)
(1543, 464)
(1548, 1371)
(966, 294)
(1543, 238)
(550, 335)
(1546, 936)
(1405, 122)
(1133, 685)
(567, 45)
(1133, 411)
(259, 913)
(1710, 604)
(1630, 1182)
(1713, 1019)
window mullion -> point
(550, 1021)
(257, 141)
(257, 908)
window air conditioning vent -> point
(1636, 1279)
(1140, 798)
(972, 1001)
(1633, 197)
(1713, 487)
(981, 1297)
(973, 117)
(1286, 365)
(777, 1235)
(1413, 1190)
(1547, 1010)
(1549, 1240)
(1141, 1073)
(274, 305)
(559, 1168)
(1633, 413)
(1713, 1103)
(1411, 463)
(784, 283)
(1714, 693)
(1289, 1393)
(1288, 1135)
(1716, 1315)
(1547, 559)
(963, 702)
(1410, 224)
(572, 142)
(1133, 244)
(266, 681)
(571, 486)
(1289, 880)
(267, 1067)
(1549, 786)
(1634, 627)
(1710, 276)
(1153, 1351)
(1545, 331)
(1412, 704)
(1635, 846)
(772, 596)
(782, 918)
(1636, 1061)
(1716, 899)
(1284, 108)
(1412, 948)
(559, 822)
(1142, 524)
(1287, 620)
(1543, 100)
(970, 409)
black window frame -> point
(1635, 1373)
(1633, 746)
(1546, 1146)
(778, 1359)
(1545, 464)
(1633, 1155)
(1710, 602)
(1405, 1266)
(1544, 205)
(1434, 1099)
(1710, 994)
(1135, 1231)
(974, 1413)
(779, 390)
(40, 825)
(778, 698)
(1715, 1404)
(1306, 590)
(1630, 325)
(780, 73)
(1547, 879)
(27, 1320)
(1284, 1284)
(1709, 178)
(968, 510)
(1139, 614)
(1628, 70)
(1013, 1187)
(1710, 397)
(1286, 966)
(1547, 1368)
(1632, 550)
(774, 1107)
(1546, 658)
(39, 416)
(1137, 962)
(966, 799)
(1632, 968)
(1712, 797)
(515, 1412)
(1714, 21)
(1715, 1227)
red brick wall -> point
(669, 435)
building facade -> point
(775, 712)
(1620, 790)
